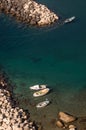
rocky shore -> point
(70, 122)
(28, 11)
(14, 117)
(11, 116)
(65, 121)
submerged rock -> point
(60, 124)
(72, 127)
(66, 117)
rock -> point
(60, 124)
(24, 10)
(72, 127)
(1, 128)
(25, 128)
(40, 128)
(9, 128)
(1, 116)
(5, 120)
(15, 127)
(0, 103)
(4, 125)
(12, 117)
(66, 117)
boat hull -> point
(69, 19)
(42, 104)
(38, 87)
(41, 92)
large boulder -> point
(60, 124)
(72, 127)
(66, 118)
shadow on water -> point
(18, 26)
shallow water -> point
(54, 55)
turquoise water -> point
(51, 55)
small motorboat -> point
(41, 92)
(38, 87)
(69, 19)
(43, 104)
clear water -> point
(51, 55)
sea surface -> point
(54, 55)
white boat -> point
(41, 92)
(43, 104)
(38, 87)
(69, 19)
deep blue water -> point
(51, 55)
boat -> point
(41, 92)
(69, 19)
(43, 104)
(38, 87)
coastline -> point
(12, 117)
(34, 55)
(20, 118)
(29, 12)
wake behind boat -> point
(43, 104)
(69, 19)
(38, 87)
(41, 92)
